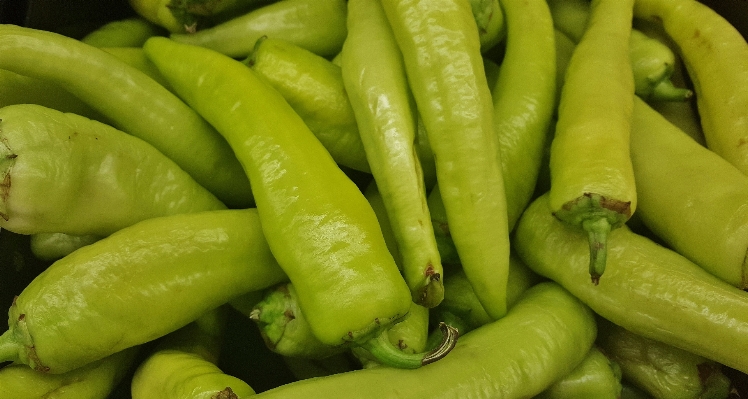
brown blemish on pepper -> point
(21, 316)
(34, 359)
(226, 393)
(402, 345)
(289, 314)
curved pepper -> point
(498, 360)
(316, 25)
(318, 224)
(592, 180)
(690, 197)
(659, 369)
(649, 290)
(716, 57)
(135, 104)
(129, 32)
(441, 52)
(652, 61)
(375, 80)
(136, 285)
(63, 173)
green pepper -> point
(377, 205)
(135, 57)
(375, 80)
(447, 249)
(524, 99)
(64, 173)
(316, 25)
(187, 15)
(136, 285)
(649, 290)
(663, 371)
(489, 17)
(498, 360)
(95, 380)
(716, 57)
(53, 246)
(314, 87)
(129, 32)
(444, 66)
(592, 180)
(597, 377)
(318, 224)
(183, 365)
(690, 197)
(135, 104)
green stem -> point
(387, 354)
(446, 317)
(8, 348)
(597, 232)
(666, 91)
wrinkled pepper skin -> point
(314, 87)
(95, 380)
(136, 285)
(592, 180)
(649, 290)
(690, 197)
(377, 86)
(316, 25)
(63, 173)
(133, 102)
(441, 52)
(542, 338)
(595, 378)
(318, 224)
(659, 369)
(716, 57)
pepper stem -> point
(387, 354)
(597, 233)
(8, 348)
(666, 91)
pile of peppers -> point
(376, 199)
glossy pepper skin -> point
(592, 180)
(53, 246)
(318, 224)
(524, 98)
(716, 57)
(314, 87)
(136, 285)
(64, 173)
(659, 369)
(542, 338)
(133, 102)
(377, 86)
(652, 61)
(649, 290)
(316, 25)
(129, 32)
(441, 51)
(94, 380)
(690, 197)
(596, 377)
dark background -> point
(244, 355)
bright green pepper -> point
(53, 246)
(377, 86)
(314, 88)
(184, 366)
(187, 15)
(95, 380)
(377, 205)
(652, 61)
(135, 104)
(130, 32)
(135, 57)
(318, 224)
(64, 173)
(592, 180)
(690, 197)
(500, 360)
(490, 20)
(595, 378)
(649, 289)
(524, 99)
(316, 25)
(441, 52)
(136, 285)
(663, 371)
(716, 57)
